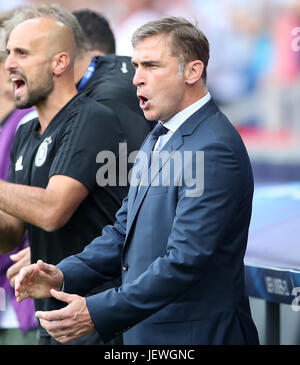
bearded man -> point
(52, 190)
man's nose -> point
(10, 63)
(139, 78)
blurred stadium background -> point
(254, 76)
(254, 68)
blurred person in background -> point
(52, 188)
(107, 78)
(282, 107)
(231, 27)
(184, 8)
(134, 14)
(18, 325)
(100, 39)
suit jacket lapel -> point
(135, 180)
(175, 142)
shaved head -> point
(48, 34)
(52, 11)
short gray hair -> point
(188, 42)
(54, 11)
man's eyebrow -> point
(17, 49)
(22, 49)
(145, 63)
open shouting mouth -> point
(144, 102)
(19, 84)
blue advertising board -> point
(272, 259)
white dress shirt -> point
(175, 122)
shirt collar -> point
(175, 122)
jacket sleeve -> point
(100, 261)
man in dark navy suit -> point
(180, 236)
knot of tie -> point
(159, 130)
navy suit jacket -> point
(180, 253)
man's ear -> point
(60, 63)
(193, 72)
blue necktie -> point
(158, 131)
(148, 147)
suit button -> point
(125, 267)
